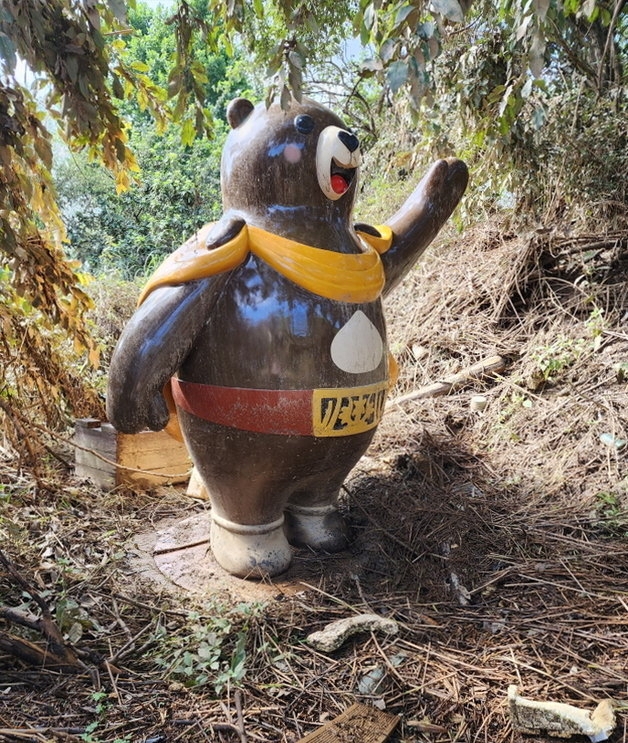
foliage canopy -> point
(178, 188)
(531, 89)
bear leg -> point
(269, 490)
(321, 528)
(312, 518)
(250, 550)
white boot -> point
(320, 527)
(250, 551)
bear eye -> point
(304, 123)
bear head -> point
(277, 160)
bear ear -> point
(237, 111)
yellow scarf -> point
(344, 277)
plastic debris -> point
(559, 719)
(334, 634)
(608, 439)
(478, 403)
(369, 683)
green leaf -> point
(450, 9)
(271, 92)
(372, 65)
(44, 150)
(425, 30)
(286, 98)
(536, 53)
(296, 59)
(365, 34)
(118, 8)
(140, 66)
(396, 75)
(370, 14)
(295, 81)
(434, 47)
(495, 94)
(275, 62)
(71, 65)
(402, 13)
(117, 87)
(588, 8)
(7, 53)
(386, 52)
(188, 133)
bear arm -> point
(367, 228)
(421, 217)
(151, 348)
(226, 229)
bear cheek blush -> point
(292, 153)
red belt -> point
(318, 412)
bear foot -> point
(250, 551)
(320, 527)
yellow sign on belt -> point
(349, 410)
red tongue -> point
(338, 184)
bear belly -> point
(267, 334)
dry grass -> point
(498, 540)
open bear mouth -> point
(340, 178)
(337, 162)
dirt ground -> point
(493, 531)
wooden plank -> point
(358, 724)
(98, 440)
(150, 442)
(176, 460)
(89, 434)
(157, 455)
(196, 486)
(88, 423)
(155, 452)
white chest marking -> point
(358, 347)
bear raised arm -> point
(265, 331)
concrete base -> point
(177, 555)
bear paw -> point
(320, 527)
(250, 551)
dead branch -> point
(57, 652)
(481, 370)
(34, 655)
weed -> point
(621, 371)
(210, 650)
(613, 513)
(559, 356)
(517, 401)
(596, 323)
(101, 707)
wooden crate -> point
(152, 457)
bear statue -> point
(263, 336)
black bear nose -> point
(350, 141)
